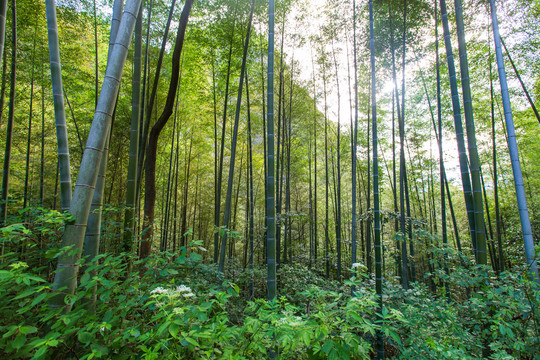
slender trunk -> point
(251, 234)
(151, 151)
(288, 176)
(183, 229)
(131, 190)
(177, 170)
(463, 162)
(270, 179)
(29, 138)
(279, 151)
(96, 58)
(59, 110)
(165, 226)
(495, 177)
(376, 212)
(513, 149)
(354, 144)
(233, 145)
(442, 173)
(217, 206)
(4, 82)
(143, 140)
(3, 14)
(474, 161)
(42, 168)
(9, 131)
(338, 160)
(368, 191)
(326, 222)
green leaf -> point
(174, 329)
(24, 294)
(84, 337)
(28, 329)
(39, 299)
(19, 341)
(191, 341)
(13, 329)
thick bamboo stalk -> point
(59, 107)
(65, 279)
(513, 149)
(270, 179)
(463, 161)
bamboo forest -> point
(282, 179)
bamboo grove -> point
(384, 134)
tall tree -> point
(270, 178)
(217, 200)
(513, 149)
(376, 211)
(3, 14)
(29, 139)
(59, 107)
(65, 279)
(93, 230)
(474, 161)
(463, 161)
(151, 150)
(9, 131)
(354, 143)
(494, 159)
(131, 190)
(233, 144)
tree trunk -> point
(131, 191)
(376, 212)
(59, 108)
(513, 149)
(474, 161)
(463, 162)
(233, 145)
(270, 179)
(9, 131)
(28, 140)
(151, 151)
(217, 204)
(67, 269)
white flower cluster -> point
(290, 320)
(181, 290)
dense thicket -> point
(342, 94)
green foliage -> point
(172, 305)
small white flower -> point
(158, 290)
(356, 265)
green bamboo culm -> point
(354, 144)
(3, 14)
(513, 149)
(270, 178)
(233, 145)
(11, 115)
(463, 161)
(474, 161)
(59, 107)
(93, 229)
(131, 190)
(65, 279)
(376, 211)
